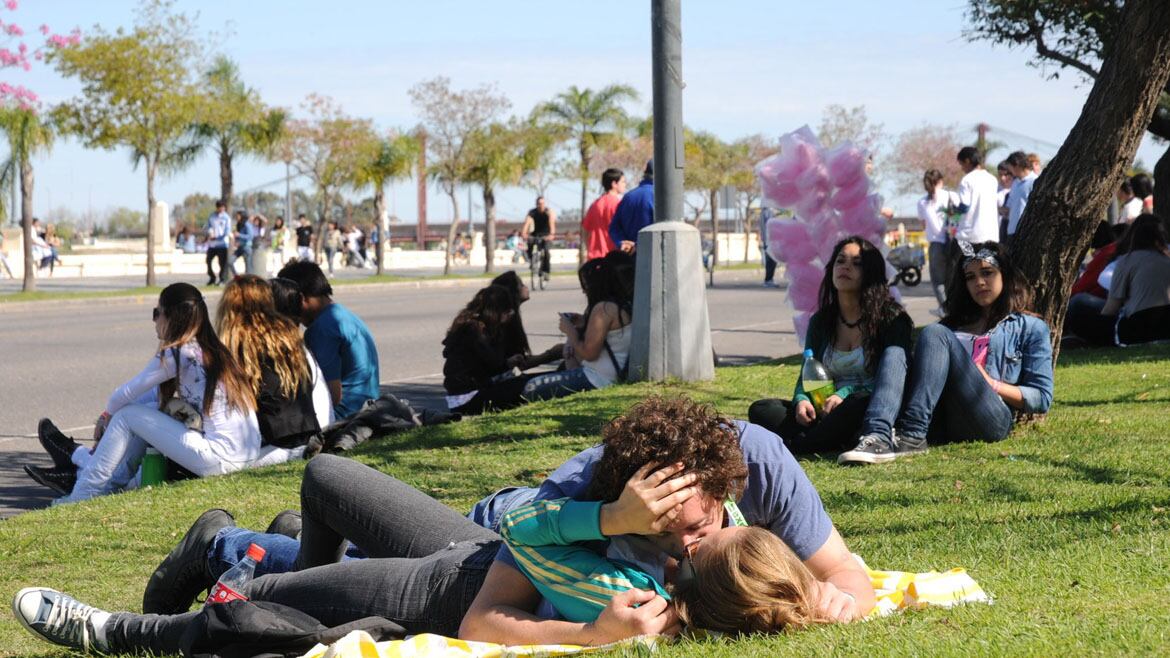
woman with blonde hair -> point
(292, 400)
(220, 433)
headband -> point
(984, 254)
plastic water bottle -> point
(816, 380)
(233, 584)
(154, 467)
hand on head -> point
(650, 502)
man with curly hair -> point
(669, 472)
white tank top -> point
(600, 371)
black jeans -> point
(835, 432)
(427, 561)
(1145, 326)
(220, 254)
(769, 267)
(539, 243)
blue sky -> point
(750, 67)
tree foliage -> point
(138, 91)
(384, 158)
(928, 146)
(450, 118)
(327, 147)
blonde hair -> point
(752, 583)
(255, 333)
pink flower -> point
(44, 29)
(11, 4)
(14, 30)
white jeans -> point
(114, 463)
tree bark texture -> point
(489, 233)
(151, 171)
(383, 228)
(26, 217)
(225, 174)
(1071, 195)
(451, 231)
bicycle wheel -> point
(534, 273)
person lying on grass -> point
(986, 360)
(776, 495)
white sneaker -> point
(56, 617)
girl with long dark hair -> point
(862, 336)
(987, 359)
(192, 365)
(1139, 293)
(480, 352)
(597, 342)
(513, 338)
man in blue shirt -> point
(634, 213)
(219, 228)
(338, 339)
(245, 235)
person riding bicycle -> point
(541, 224)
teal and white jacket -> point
(547, 538)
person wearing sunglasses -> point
(191, 364)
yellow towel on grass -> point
(896, 590)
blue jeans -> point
(949, 400)
(556, 385)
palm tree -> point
(589, 118)
(236, 121)
(28, 134)
(385, 159)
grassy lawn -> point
(1066, 524)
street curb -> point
(143, 298)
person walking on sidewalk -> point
(218, 230)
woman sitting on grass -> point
(597, 343)
(292, 398)
(192, 365)
(1139, 294)
(862, 336)
(987, 359)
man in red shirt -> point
(596, 224)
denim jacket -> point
(1020, 353)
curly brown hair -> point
(667, 431)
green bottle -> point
(154, 467)
(816, 381)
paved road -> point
(61, 360)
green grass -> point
(53, 295)
(1066, 524)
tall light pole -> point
(672, 333)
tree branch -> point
(1044, 51)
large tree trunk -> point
(383, 228)
(451, 231)
(26, 217)
(1070, 197)
(225, 174)
(489, 222)
(151, 170)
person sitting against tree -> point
(191, 365)
(986, 360)
(862, 336)
(338, 339)
(292, 399)
(597, 343)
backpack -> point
(261, 629)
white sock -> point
(99, 619)
(80, 456)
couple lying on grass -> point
(680, 517)
(987, 360)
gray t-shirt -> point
(1141, 281)
(778, 495)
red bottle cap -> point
(256, 552)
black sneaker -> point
(56, 617)
(876, 449)
(60, 480)
(287, 523)
(59, 446)
(183, 574)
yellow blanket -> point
(896, 590)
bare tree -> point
(451, 118)
(929, 146)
